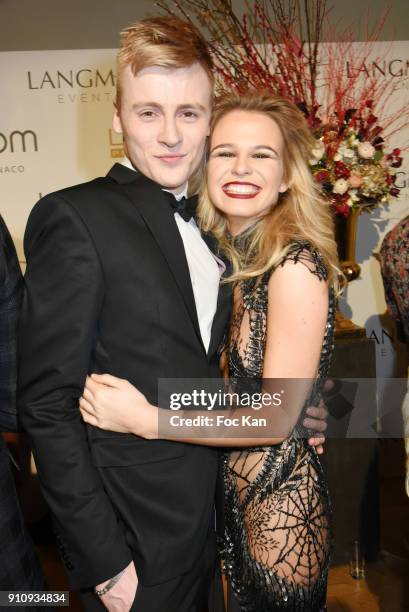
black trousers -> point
(199, 590)
(19, 566)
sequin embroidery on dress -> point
(277, 510)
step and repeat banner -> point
(55, 130)
(55, 126)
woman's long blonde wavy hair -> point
(300, 214)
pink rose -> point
(355, 180)
(366, 150)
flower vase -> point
(345, 234)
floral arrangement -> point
(352, 165)
(281, 46)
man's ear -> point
(116, 120)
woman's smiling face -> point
(245, 171)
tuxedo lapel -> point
(211, 241)
(221, 318)
(224, 300)
(152, 203)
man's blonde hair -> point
(301, 214)
(167, 42)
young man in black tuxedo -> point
(119, 280)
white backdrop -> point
(62, 101)
(55, 131)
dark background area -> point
(94, 24)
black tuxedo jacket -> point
(108, 290)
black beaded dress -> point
(277, 535)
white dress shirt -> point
(204, 268)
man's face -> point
(164, 118)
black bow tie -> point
(184, 207)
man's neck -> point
(179, 193)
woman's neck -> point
(237, 226)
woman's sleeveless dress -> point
(277, 510)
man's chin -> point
(173, 181)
